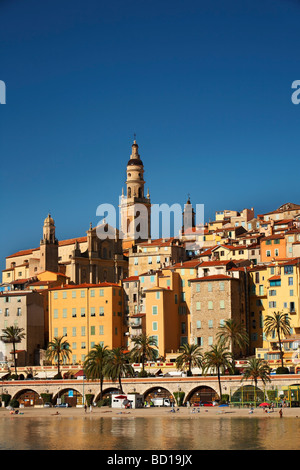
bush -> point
(6, 399)
(224, 399)
(58, 376)
(47, 397)
(14, 403)
(89, 397)
(179, 396)
(143, 373)
(282, 370)
(104, 402)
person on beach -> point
(280, 413)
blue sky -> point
(205, 85)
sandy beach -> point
(197, 413)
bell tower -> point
(49, 247)
(135, 206)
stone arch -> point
(69, 395)
(158, 392)
(28, 397)
(203, 393)
(248, 394)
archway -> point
(28, 398)
(201, 395)
(248, 394)
(70, 396)
(158, 392)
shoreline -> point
(106, 412)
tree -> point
(143, 349)
(95, 363)
(14, 335)
(257, 369)
(233, 334)
(190, 357)
(278, 322)
(58, 350)
(218, 358)
(117, 365)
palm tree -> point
(190, 357)
(58, 350)
(278, 322)
(233, 334)
(218, 358)
(143, 349)
(13, 334)
(95, 363)
(117, 365)
(257, 369)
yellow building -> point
(274, 288)
(88, 314)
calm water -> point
(154, 433)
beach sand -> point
(106, 412)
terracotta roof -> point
(72, 241)
(187, 264)
(274, 278)
(215, 263)
(214, 277)
(23, 253)
(82, 286)
(131, 278)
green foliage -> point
(89, 397)
(5, 397)
(104, 402)
(47, 397)
(179, 397)
(14, 403)
(282, 370)
(143, 373)
(224, 399)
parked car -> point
(206, 403)
(48, 405)
(63, 405)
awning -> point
(45, 374)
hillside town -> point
(178, 290)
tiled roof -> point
(214, 277)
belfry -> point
(135, 208)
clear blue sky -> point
(205, 85)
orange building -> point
(272, 248)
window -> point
(222, 304)
(288, 269)
(64, 295)
(210, 305)
(261, 290)
(93, 293)
(82, 294)
(64, 331)
(198, 287)
(272, 292)
(272, 304)
(55, 313)
(136, 261)
(64, 313)
(92, 330)
(93, 312)
(83, 331)
(221, 285)
(183, 296)
(209, 287)
(157, 295)
(73, 294)
(198, 305)
(183, 328)
(154, 326)
(290, 281)
(101, 330)
(210, 341)
(82, 312)
(210, 323)
(291, 292)
(101, 311)
(19, 312)
(198, 324)
(149, 259)
(74, 312)
(101, 292)
(199, 341)
(268, 253)
(74, 331)
(55, 295)
(276, 252)
(154, 310)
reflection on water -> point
(154, 433)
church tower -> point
(49, 247)
(135, 206)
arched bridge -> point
(194, 388)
